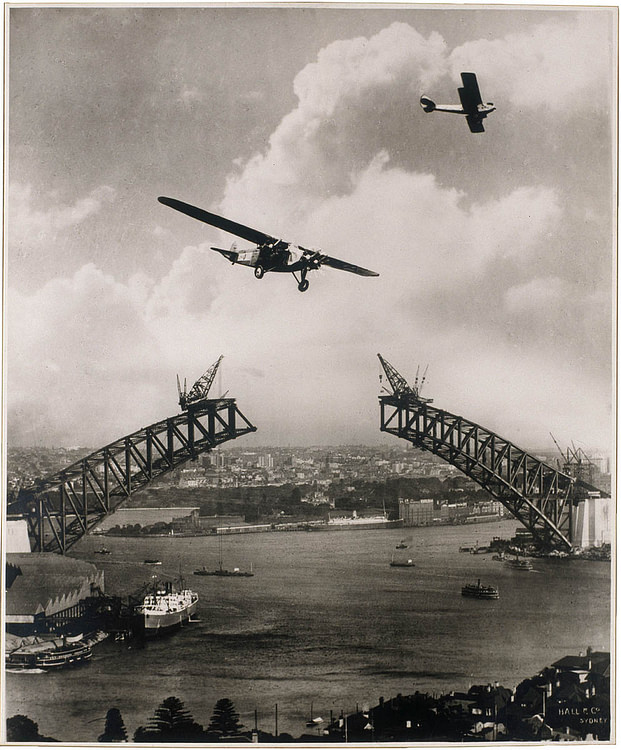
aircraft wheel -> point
(259, 272)
(303, 285)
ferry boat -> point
(65, 656)
(164, 609)
(68, 655)
(519, 564)
(476, 591)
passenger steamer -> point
(165, 609)
(477, 591)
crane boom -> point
(400, 385)
(200, 389)
(398, 382)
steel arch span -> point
(63, 507)
(539, 496)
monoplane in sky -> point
(270, 253)
(471, 104)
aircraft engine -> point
(427, 104)
(295, 254)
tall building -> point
(592, 522)
(416, 512)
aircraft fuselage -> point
(276, 260)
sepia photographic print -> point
(309, 364)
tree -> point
(114, 730)
(172, 723)
(20, 728)
(224, 721)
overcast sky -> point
(495, 250)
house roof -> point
(596, 661)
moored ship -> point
(165, 609)
(363, 522)
(224, 572)
(477, 591)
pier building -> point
(47, 592)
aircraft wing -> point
(341, 265)
(475, 124)
(246, 233)
(469, 94)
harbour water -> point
(325, 620)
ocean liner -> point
(165, 609)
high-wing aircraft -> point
(471, 104)
(270, 253)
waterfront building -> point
(211, 523)
(47, 592)
(416, 512)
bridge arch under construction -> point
(559, 510)
(60, 509)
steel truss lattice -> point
(539, 496)
(536, 494)
(63, 507)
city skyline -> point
(495, 251)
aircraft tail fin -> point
(427, 104)
(231, 254)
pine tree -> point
(172, 723)
(114, 730)
(224, 721)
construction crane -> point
(199, 391)
(400, 386)
(576, 463)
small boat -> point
(477, 591)
(103, 551)
(220, 571)
(314, 721)
(405, 563)
(519, 564)
(401, 545)
(152, 562)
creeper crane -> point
(199, 391)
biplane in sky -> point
(471, 104)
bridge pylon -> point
(63, 507)
(538, 495)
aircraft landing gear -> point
(259, 272)
(303, 282)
